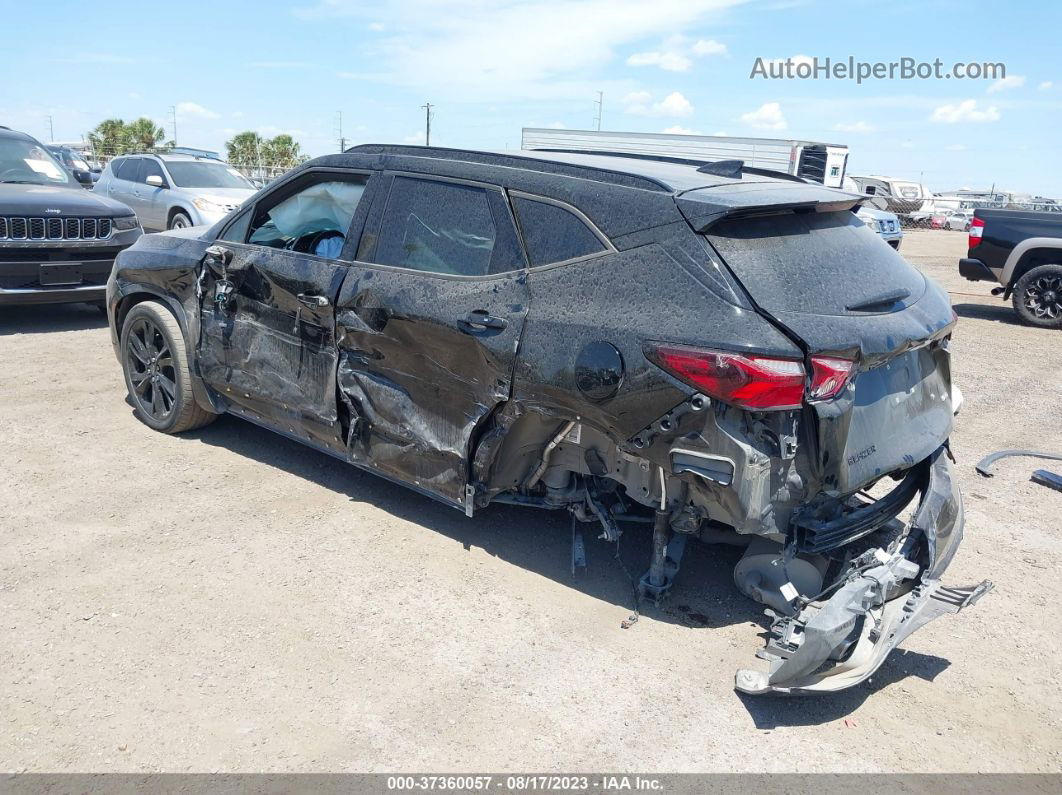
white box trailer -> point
(815, 160)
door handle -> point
(313, 301)
(481, 319)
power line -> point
(427, 123)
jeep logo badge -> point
(53, 210)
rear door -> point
(428, 323)
(126, 175)
(268, 289)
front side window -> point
(439, 227)
(30, 163)
(151, 168)
(553, 234)
(197, 174)
(312, 218)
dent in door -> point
(417, 388)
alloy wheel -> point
(150, 365)
(1043, 297)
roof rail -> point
(681, 161)
(614, 176)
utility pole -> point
(600, 108)
(51, 130)
(173, 114)
(339, 131)
(427, 123)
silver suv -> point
(174, 191)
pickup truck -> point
(1022, 251)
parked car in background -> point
(725, 352)
(938, 220)
(883, 223)
(57, 241)
(1022, 251)
(173, 191)
(959, 220)
(76, 164)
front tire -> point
(155, 364)
(180, 221)
(1037, 297)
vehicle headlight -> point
(207, 206)
(873, 224)
(125, 223)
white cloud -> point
(676, 54)
(668, 61)
(856, 127)
(955, 147)
(639, 103)
(709, 47)
(376, 26)
(1046, 85)
(965, 111)
(678, 129)
(133, 95)
(187, 109)
(1004, 83)
(768, 116)
(551, 48)
(557, 125)
(720, 133)
(416, 138)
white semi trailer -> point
(821, 162)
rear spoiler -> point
(703, 207)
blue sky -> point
(491, 68)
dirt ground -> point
(231, 601)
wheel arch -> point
(1029, 254)
(177, 208)
(203, 395)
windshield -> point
(30, 163)
(190, 174)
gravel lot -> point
(231, 601)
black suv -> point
(57, 241)
(727, 353)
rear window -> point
(552, 234)
(818, 263)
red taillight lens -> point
(757, 383)
(828, 377)
(977, 229)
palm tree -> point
(244, 149)
(110, 138)
(144, 134)
(282, 152)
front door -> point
(268, 288)
(428, 323)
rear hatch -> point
(822, 276)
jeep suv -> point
(173, 191)
(57, 240)
(727, 353)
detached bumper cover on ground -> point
(842, 640)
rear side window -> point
(818, 263)
(129, 169)
(439, 227)
(552, 234)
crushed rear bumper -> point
(886, 594)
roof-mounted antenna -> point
(723, 168)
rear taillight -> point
(828, 376)
(755, 383)
(977, 229)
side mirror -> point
(156, 181)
